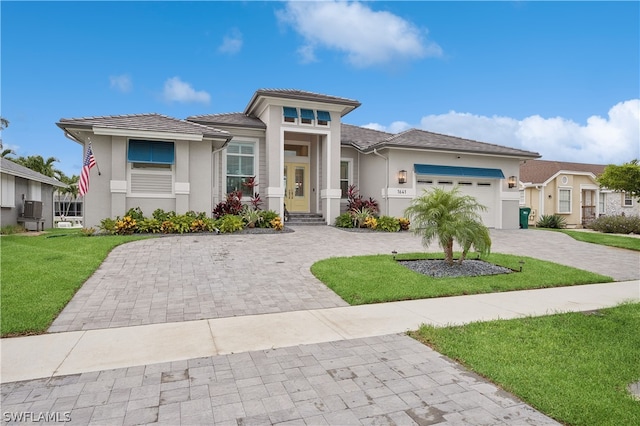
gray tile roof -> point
(361, 137)
(421, 139)
(147, 122)
(234, 119)
(14, 169)
(301, 95)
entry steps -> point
(305, 219)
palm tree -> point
(448, 217)
(71, 190)
(38, 164)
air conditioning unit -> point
(32, 209)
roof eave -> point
(522, 156)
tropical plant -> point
(370, 222)
(266, 216)
(108, 225)
(553, 221)
(149, 226)
(388, 224)
(448, 217)
(230, 223)
(39, 164)
(135, 213)
(360, 216)
(125, 226)
(231, 205)
(70, 192)
(404, 223)
(277, 224)
(252, 217)
(161, 215)
(344, 221)
(356, 201)
(87, 232)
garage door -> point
(483, 190)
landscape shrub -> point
(345, 220)
(108, 225)
(360, 216)
(276, 224)
(266, 216)
(160, 215)
(149, 226)
(616, 224)
(404, 223)
(388, 224)
(356, 202)
(230, 223)
(125, 226)
(232, 205)
(135, 213)
(553, 221)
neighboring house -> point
(569, 190)
(300, 152)
(21, 186)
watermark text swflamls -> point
(37, 417)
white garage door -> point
(483, 190)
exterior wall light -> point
(402, 176)
(512, 181)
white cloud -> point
(601, 140)
(366, 36)
(232, 42)
(121, 83)
(176, 90)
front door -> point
(296, 193)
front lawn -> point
(574, 367)
(620, 241)
(40, 275)
(374, 279)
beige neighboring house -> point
(300, 152)
(570, 190)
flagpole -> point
(94, 159)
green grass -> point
(374, 279)
(574, 367)
(629, 243)
(40, 274)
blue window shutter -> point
(307, 114)
(324, 116)
(290, 112)
(141, 151)
(162, 152)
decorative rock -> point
(440, 269)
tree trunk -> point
(448, 252)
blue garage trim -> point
(477, 172)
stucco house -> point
(570, 190)
(26, 196)
(301, 154)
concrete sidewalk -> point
(60, 354)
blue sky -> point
(559, 78)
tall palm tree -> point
(71, 190)
(39, 164)
(448, 217)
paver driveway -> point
(192, 277)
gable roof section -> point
(144, 122)
(15, 169)
(539, 171)
(301, 95)
(233, 119)
(361, 137)
(421, 139)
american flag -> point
(89, 162)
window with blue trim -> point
(150, 152)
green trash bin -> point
(524, 217)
